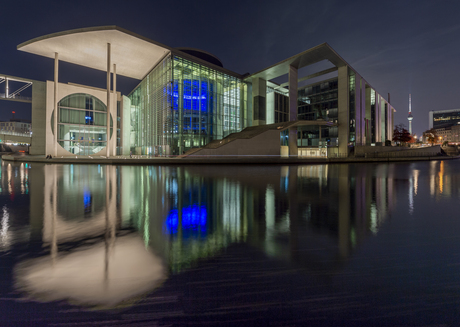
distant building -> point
(443, 118)
(15, 126)
(450, 134)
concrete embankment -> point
(262, 160)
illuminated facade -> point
(82, 124)
(186, 100)
(443, 118)
(200, 104)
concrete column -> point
(344, 110)
(383, 130)
(368, 117)
(108, 100)
(319, 140)
(378, 125)
(361, 126)
(55, 120)
(293, 151)
(114, 111)
(293, 77)
(392, 123)
(358, 110)
(259, 101)
(243, 110)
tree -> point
(431, 136)
(401, 134)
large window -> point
(82, 122)
(180, 105)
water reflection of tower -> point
(410, 117)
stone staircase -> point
(247, 133)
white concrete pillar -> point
(368, 117)
(293, 78)
(358, 110)
(55, 120)
(108, 100)
(378, 124)
(392, 123)
(259, 101)
(114, 111)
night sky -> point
(399, 47)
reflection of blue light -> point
(87, 200)
(194, 219)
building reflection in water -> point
(89, 263)
(165, 219)
(14, 184)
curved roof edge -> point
(90, 29)
(199, 51)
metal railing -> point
(15, 133)
(402, 154)
(16, 96)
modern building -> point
(186, 99)
(443, 118)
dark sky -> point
(399, 47)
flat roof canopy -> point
(133, 54)
(306, 58)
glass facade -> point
(318, 102)
(445, 119)
(352, 106)
(151, 119)
(82, 122)
(373, 131)
(182, 105)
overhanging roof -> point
(133, 54)
(306, 58)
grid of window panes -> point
(318, 101)
(281, 105)
(373, 120)
(151, 125)
(352, 102)
(82, 124)
(207, 105)
(445, 119)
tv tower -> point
(410, 117)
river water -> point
(364, 244)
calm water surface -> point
(360, 244)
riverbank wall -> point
(205, 160)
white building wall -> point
(63, 91)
